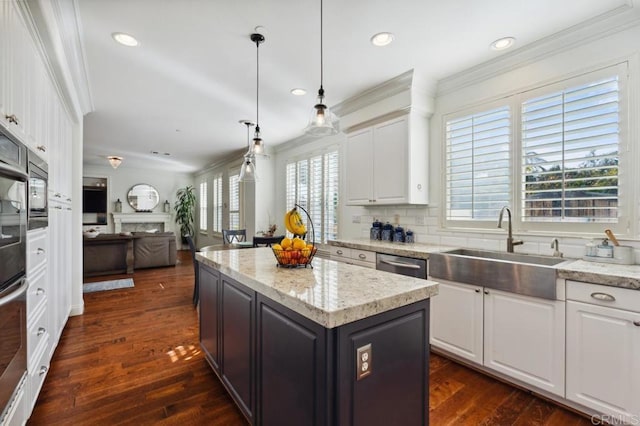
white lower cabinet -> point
(603, 350)
(364, 258)
(456, 320)
(524, 338)
(518, 336)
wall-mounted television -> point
(94, 200)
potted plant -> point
(184, 207)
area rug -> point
(107, 285)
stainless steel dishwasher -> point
(402, 265)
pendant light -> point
(248, 169)
(114, 160)
(323, 122)
(258, 145)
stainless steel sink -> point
(526, 274)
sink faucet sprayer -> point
(555, 246)
(510, 240)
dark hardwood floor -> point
(134, 358)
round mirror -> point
(143, 197)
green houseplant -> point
(184, 207)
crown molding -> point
(614, 21)
(375, 94)
(58, 32)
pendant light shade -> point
(322, 122)
(114, 160)
(248, 168)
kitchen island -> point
(336, 344)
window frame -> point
(514, 100)
(203, 207)
(319, 228)
(217, 210)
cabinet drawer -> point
(36, 250)
(38, 333)
(38, 289)
(37, 373)
(339, 252)
(363, 255)
(603, 295)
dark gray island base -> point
(282, 368)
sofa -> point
(151, 250)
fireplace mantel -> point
(120, 218)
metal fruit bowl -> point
(294, 258)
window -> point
(478, 165)
(203, 206)
(234, 201)
(551, 153)
(217, 203)
(570, 149)
(313, 184)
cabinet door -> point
(359, 167)
(237, 360)
(209, 288)
(524, 338)
(603, 359)
(17, 46)
(456, 320)
(390, 162)
(291, 367)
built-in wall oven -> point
(38, 181)
(13, 248)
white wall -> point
(426, 221)
(120, 180)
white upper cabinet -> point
(386, 163)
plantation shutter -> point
(313, 184)
(570, 144)
(478, 165)
(234, 201)
(217, 204)
(203, 206)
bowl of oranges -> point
(293, 252)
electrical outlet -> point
(419, 220)
(364, 361)
(355, 218)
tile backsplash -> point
(423, 221)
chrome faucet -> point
(510, 240)
(555, 246)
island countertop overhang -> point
(331, 293)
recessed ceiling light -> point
(125, 39)
(298, 91)
(382, 39)
(503, 43)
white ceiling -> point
(193, 76)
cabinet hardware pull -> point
(41, 331)
(603, 296)
(401, 264)
(40, 250)
(57, 195)
(69, 208)
(39, 291)
(477, 290)
(58, 207)
(69, 199)
(339, 252)
(486, 292)
(362, 256)
(41, 148)
(12, 118)
(636, 323)
(43, 370)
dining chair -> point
(230, 236)
(267, 241)
(196, 290)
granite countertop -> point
(611, 274)
(415, 250)
(331, 294)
